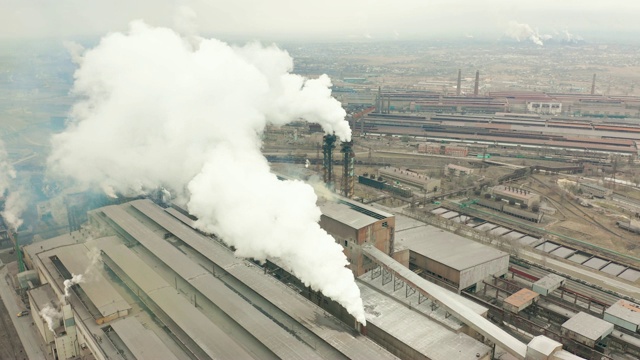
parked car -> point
(23, 313)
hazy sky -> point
(329, 19)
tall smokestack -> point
(593, 85)
(475, 87)
(459, 82)
(348, 175)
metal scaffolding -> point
(327, 162)
(348, 175)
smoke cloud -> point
(7, 172)
(75, 279)
(158, 111)
(520, 32)
(51, 316)
(14, 206)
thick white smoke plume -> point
(159, 111)
(14, 206)
(51, 316)
(520, 32)
(7, 173)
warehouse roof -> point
(447, 248)
(142, 342)
(550, 281)
(426, 336)
(588, 326)
(346, 215)
(443, 297)
(261, 327)
(75, 259)
(44, 295)
(625, 310)
(209, 337)
(521, 297)
(273, 291)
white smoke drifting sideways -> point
(75, 279)
(158, 111)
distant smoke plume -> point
(51, 316)
(7, 173)
(521, 32)
(158, 111)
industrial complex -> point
(477, 222)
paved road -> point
(28, 333)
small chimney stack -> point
(477, 85)
(593, 85)
(458, 90)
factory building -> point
(624, 314)
(449, 150)
(457, 170)
(410, 178)
(519, 196)
(595, 190)
(161, 289)
(450, 259)
(202, 301)
(547, 108)
(353, 224)
(520, 300)
(586, 329)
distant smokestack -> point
(475, 88)
(593, 85)
(459, 82)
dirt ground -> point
(594, 225)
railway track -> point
(575, 210)
(583, 289)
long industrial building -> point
(146, 284)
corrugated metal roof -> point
(142, 342)
(345, 215)
(105, 298)
(457, 309)
(273, 291)
(589, 326)
(262, 328)
(447, 248)
(521, 297)
(210, 338)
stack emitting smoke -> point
(51, 316)
(476, 87)
(94, 256)
(191, 122)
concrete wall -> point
(379, 234)
(402, 257)
(620, 322)
(338, 229)
(434, 267)
(392, 344)
(471, 276)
